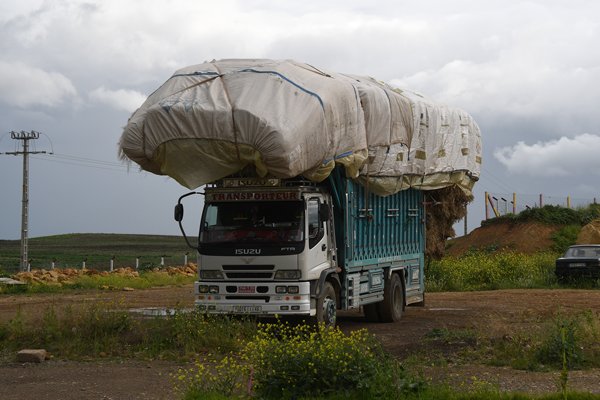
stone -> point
(31, 355)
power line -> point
(68, 159)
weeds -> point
(106, 329)
(564, 343)
(489, 271)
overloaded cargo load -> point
(285, 119)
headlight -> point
(288, 274)
(203, 289)
(293, 289)
(213, 289)
(211, 274)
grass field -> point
(97, 248)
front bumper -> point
(563, 272)
(254, 298)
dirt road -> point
(488, 312)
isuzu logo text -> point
(244, 252)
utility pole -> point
(25, 137)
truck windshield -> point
(273, 221)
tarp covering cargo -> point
(285, 119)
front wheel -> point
(327, 306)
(390, 309)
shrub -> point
(565, 237)
(553, 215)
(302, 361)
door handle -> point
(324, 247)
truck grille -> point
(261, 272)
(248, 267)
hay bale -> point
(590, 234)
(443, 208)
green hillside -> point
(98, 248)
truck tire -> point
(327, 306)
(390, 309)
(371, 313)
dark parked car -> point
(580, 261)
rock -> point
(10, 281)
(128, 289)
(31, 355)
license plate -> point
(575, 265)
(246, 289)
(247, 309)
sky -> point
(527, 71)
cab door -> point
(317, 236)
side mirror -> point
(178, 212)
(324, 212)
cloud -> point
(556, 158)
(121, 99)
(24, 86)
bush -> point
(565, 237)
(303, 361)
(553, 215)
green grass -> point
(238, 358)
(70, 250)
(106, 330)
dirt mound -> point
(590, 233)
(523, 237)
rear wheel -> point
(390, 309)
(327, 306)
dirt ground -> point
(523, 237)
(489, 312)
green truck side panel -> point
(374, 229)
(374, 233)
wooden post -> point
(487, 208)
(514, 203)
(112, 263)
(541, 200)
(465, 220)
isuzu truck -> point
(295, 247)
(313, 183)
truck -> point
(293, 247)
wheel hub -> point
(329, 311)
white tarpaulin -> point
(286, 119)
